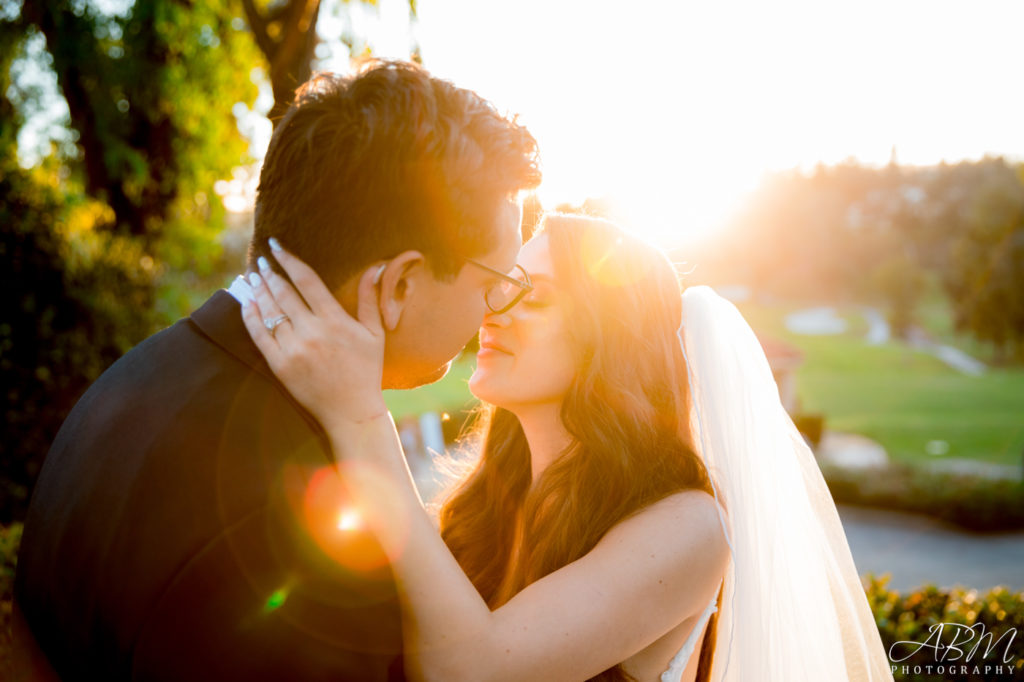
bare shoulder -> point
(696, 509)
(685, 527)
(669, 558)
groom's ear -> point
(398, 284)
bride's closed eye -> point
(538, 300)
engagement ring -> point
(272, 323)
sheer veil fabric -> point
(793, 608)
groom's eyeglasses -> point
(502, 295)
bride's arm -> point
(644, 577)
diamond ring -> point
(271, 323)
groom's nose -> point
(498, 320)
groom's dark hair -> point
(366, 166)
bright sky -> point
(676, 109)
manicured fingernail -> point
(274, 244)
(255, 279)
(264, 265)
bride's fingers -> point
(270, 309)
(308, 283)
(283, 293)
(252, 317)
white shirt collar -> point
(241, 289)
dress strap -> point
(679, 661)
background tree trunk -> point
(286, 35)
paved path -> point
(954, 357)
(918, 550)
(850, 451)
(820, 321)
(879, 333)
(878, 328)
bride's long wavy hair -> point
(627, 411)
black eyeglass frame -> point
(524, 287)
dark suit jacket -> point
(184, 527)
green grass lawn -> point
(901, 397)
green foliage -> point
(975, 503)
(940, 618)
(74, 300)
(150, 93)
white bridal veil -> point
(793, 608)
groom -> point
(187, 523)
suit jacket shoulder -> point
(184, 525)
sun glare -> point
(676, 111)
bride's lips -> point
(489, 347)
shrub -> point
(939, 619)
(975, 503)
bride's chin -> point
(479, 388)
(474, 385)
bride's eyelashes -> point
(537, 302)
(542, 296)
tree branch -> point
(300, 22)
(258, 26)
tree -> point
(286, 35)
(139, 86)
(285, 31)
(901, 281)
(985, 279)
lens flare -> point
(276, 600)
(337, 524)
(330, 519)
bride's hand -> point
(329, 361)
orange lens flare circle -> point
(338, 525)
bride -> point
(642, 507)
